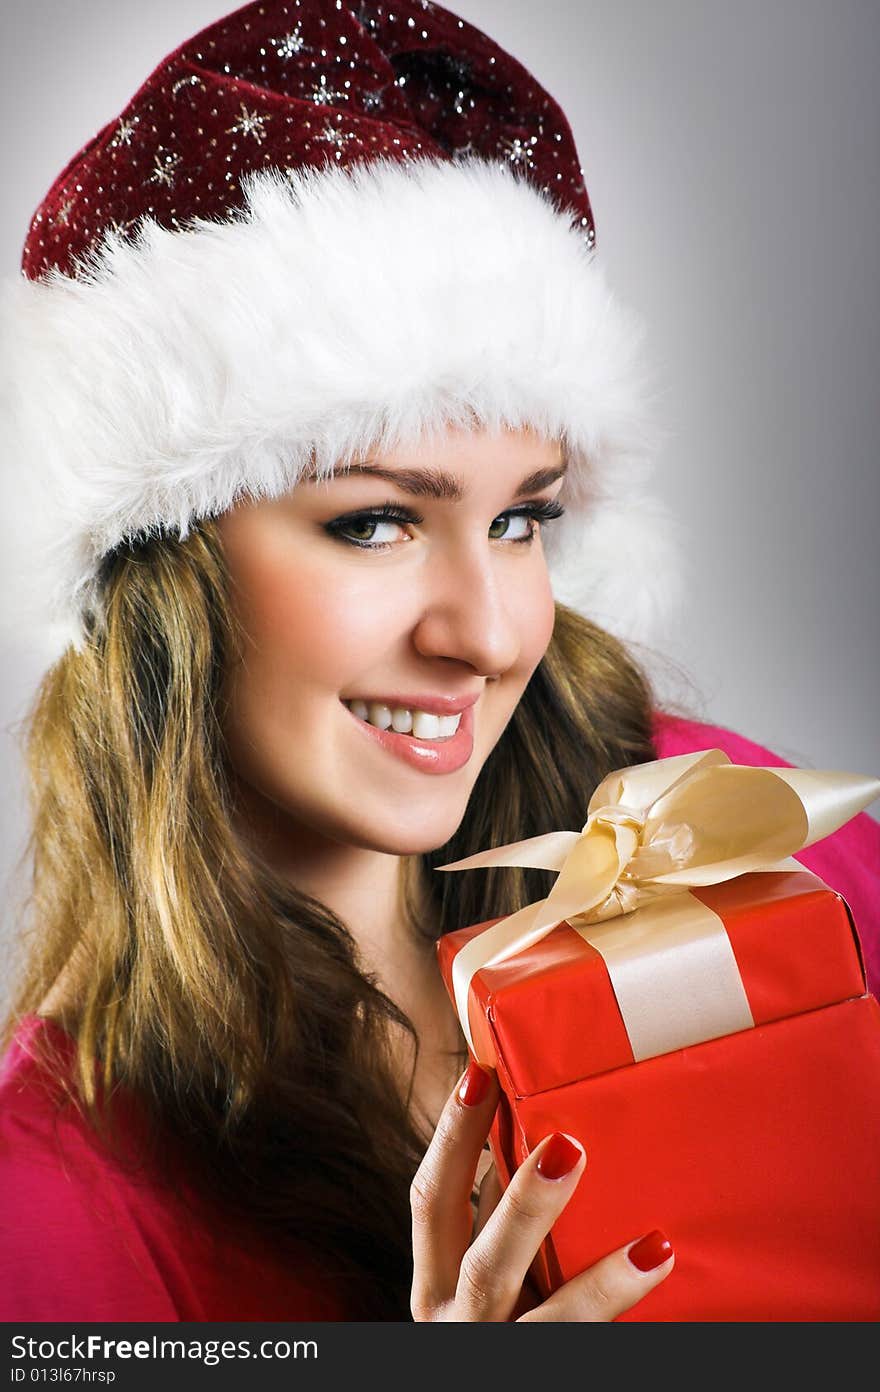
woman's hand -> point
(466, 1270)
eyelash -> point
(389, 512)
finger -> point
(613, 1285)
(495, 1265)
(440, 1194)
(490, 1193)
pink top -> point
(82, 1240)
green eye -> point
(362, 528)
(504, 521)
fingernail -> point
(474, 1085)
(559, 1156)
(650, 1251)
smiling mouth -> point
(419, 724)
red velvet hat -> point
(318, 229)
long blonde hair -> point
(231, 1005)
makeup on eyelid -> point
(537, 512)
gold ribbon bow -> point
(653, 831)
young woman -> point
(296, 484)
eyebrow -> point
(436, 483)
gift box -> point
(711, 1045)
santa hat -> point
(319, 229)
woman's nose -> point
(469, 614)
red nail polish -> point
(474, 1085)
(650, 1251)
(559, 1156)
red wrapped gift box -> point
(757, 1152)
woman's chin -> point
(403, 837)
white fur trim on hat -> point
(341, 312)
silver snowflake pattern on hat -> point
(289, 45)
(335, 136)
(249, 123)
(64, 211)
(373, 100)
(164, 168)
(520, 152)
(327, 96)
(124, 131)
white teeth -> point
(378, 715)
(421, 724)
(425, 725)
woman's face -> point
(384, 609)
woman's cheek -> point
(310, 621)
(538, 617)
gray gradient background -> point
(731, 153)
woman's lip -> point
(434, 705)
(429, 756)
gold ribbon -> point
(653, 832)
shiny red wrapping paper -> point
(758, 1153)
